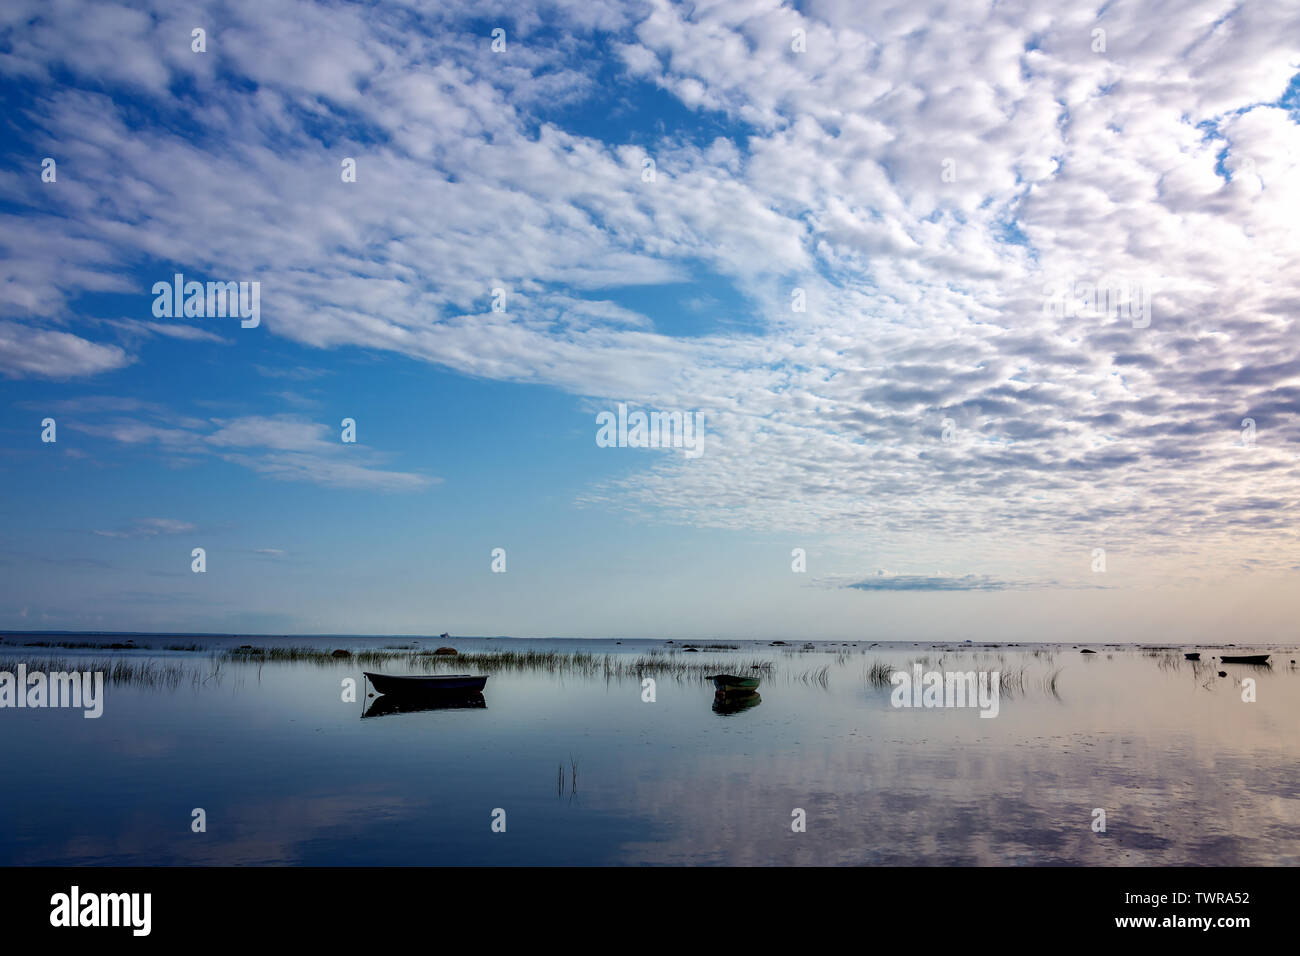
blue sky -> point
(950, 454)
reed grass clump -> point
(563, 663)
(135, 672)
(814, 677)
(879, 674)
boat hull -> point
(1245, 659)
(730, 684)
(426, 686)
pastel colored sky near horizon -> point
(950, 454)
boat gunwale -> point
(425, 677)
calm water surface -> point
(289, 773)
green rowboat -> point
(730, 684)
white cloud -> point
(27, 352)
(149, 527)
(925, 296)
(284, 447)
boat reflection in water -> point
(734, 694)
(386, 704)
(734, 703)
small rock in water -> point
(448, 651)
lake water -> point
(589, 772)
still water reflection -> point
(289, 772)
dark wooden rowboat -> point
(1195, 656)
(426, 686)
(730, 684)
(1245, 659)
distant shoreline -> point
(680, 641)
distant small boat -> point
(1245, 659)
(1193, 657)
(730, 684)
(419, 685)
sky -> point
(858, 241)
